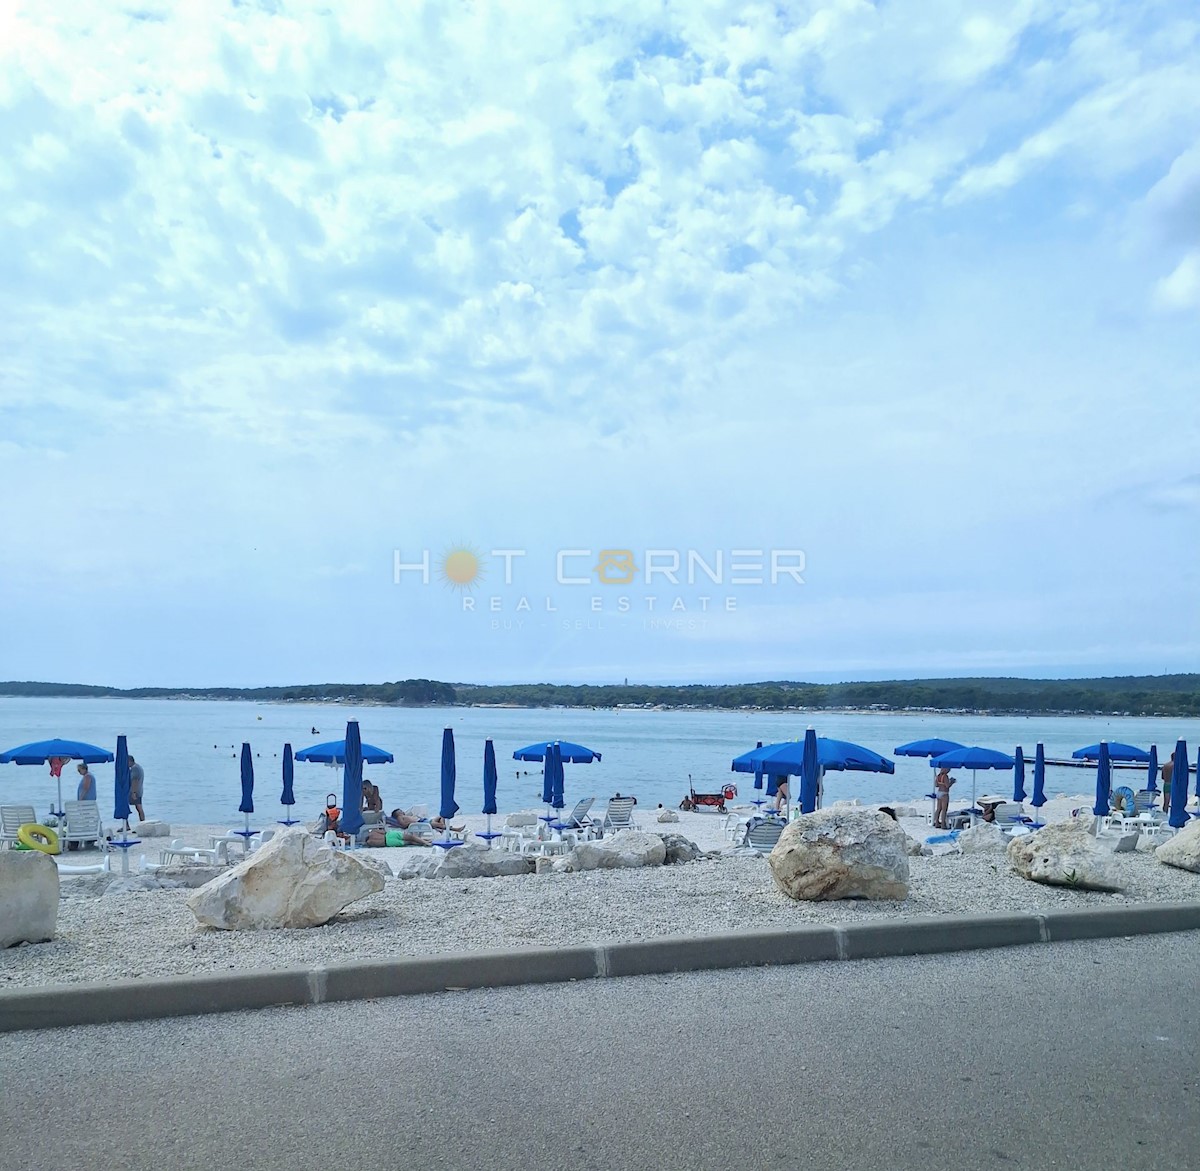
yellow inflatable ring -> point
(38, 837)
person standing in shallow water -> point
(137, 779)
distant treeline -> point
(407, 691)
(1134, 695)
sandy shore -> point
(107, 934)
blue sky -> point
(912, 289)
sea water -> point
(190, 751)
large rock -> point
(1066, 853)
(984, 837)
(625, 849)
(28, 897)
(841, 853)
(153, 829)
(295, 880)
(667, 816)
(680, 849)
(1183, 850)
(469, 861)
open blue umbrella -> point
(288, 797)
(973, 758)
(933, 747)
(570, 753)
(1178, 816)
(1152, 770)
(56, 753)
(1018, 775)
(489, 790)
(448, 807)
(1115, 751)
(352, 770)
(1103, 780)
(334, 752)
(810, 772)
(1039, 777)
(787, 758)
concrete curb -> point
(129, 1000)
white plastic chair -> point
(12, 817)
(619, 814)
(82, 824)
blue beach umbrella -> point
(489, 779)
(1039, 778)
(1018, 775)
(1103, 780)
(934, 747)
(288, 797)
(1179, 787)
(449, 807)
(121, 808)
(758, 772)
(1152, 770)
(810, 772)
(55, 753)
(557, 800)
(247, 805)
(974, 758)
(570, 753)
(547, 778)
(334, 752)
(1116, 751)
(352, 769)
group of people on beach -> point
(398, 828)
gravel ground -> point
(137, 934)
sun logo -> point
(460, 568)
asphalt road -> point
(1056, 1056)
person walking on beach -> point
(941, 788)
(1168, 771)
(137, 778)
(87, 784)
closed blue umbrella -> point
(758, 772)
(1152, 770)
(490, 779)
(1018, 775)
(547, 776)
(352, 770)
(288, 797)
(557, 800)
(810, 772)
(449, 806)
(1103, 780)
(121, 808)
(1039, 778)
(1179, 787)
(247, 805)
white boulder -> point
(1065, 853)
(295, 880)
(666, 816)
(153, 829)
(625, 849)
(984, 837)
(1182, 850)
(841, 853)
(28, 897)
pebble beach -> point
(127, 934)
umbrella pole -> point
(59, 811)
(489, 831)
(972, 796)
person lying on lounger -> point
(399, 819)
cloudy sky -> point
(308, 319)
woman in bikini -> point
(941, 786)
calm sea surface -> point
(190, 750)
